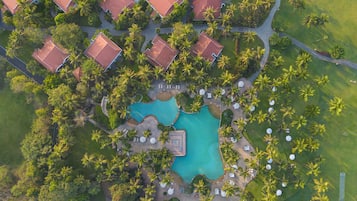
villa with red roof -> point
(163, 7)
(11, 5)
(200, 7)
(207, 47)
(51, 56)
(115, 7)
(103, 50)
(161, 53)
(64, 5)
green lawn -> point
(84, 144)
(340, 30)
(15, 122)
(338, 146)
(4, 37)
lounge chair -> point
(216, 191)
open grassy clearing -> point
(15, 121)
(338, 145)
(340, 30)
(4, 37)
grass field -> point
(4, 37)
(15, 121)
(340, 30)
(84, 144)
(338, 146)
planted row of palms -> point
(295, 111)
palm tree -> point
(84, 7)
(320, 197)
(299, 122)
(300, 145)
(321, 186)
(249, 36)
(261, 117)
(321, 80)
(223, 62)
(227, 78)
(200, 187)
(336, 106)
(313, 169)
(230, 190)
(164, 137)
(312, 110)
(212, 28)
(262, 81)
(209, 14)
(306, 91)
(318, 129)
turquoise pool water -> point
(202, 155)
(164, 111)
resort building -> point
(11, 5)
(200, 7)
(77, 73)
(51, 56)
(64, 5)
(103, 50)
(207, 47)
(177, 142)
(163, 7)
(161, 53)
(115, 7)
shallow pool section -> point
(165, 111)
(201, 147)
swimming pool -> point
(165, 111)
(202, 148)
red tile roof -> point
(11, 5)
(163, 7)
(103, 50)
(200, 6)
(77, 73)
(207, 47)
(115, 7)
(50, 55)
(64, 4)
(161, 53)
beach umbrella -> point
(202, 92)
(236, 106)
(292, 157)
(223, 91)
(240, 84)
(274, 89)
(170, 191)
(270, 161)
(272, 102)
(284, 184)
(142, 139)
(288, 138)
(268, 167)
(252, 108)
(270, 110)
(279, 192)
(152, 140)
(163, 185)
(269, 131)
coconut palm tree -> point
(209, 14)
(200, 187)
(320, 197)
(230, 189)
(249, 36)
(318, 129)
(306, 91)
(321, 80)
(87, 159)
(262, 81)
(313, 169)
(321, 186)
(299, 122)
(223, 62)
(227, 78)
(299, 145)
(336, 106)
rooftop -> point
(207, 47)
(103, 50)
(50, 55)
(11, 5)
(161, 53)
(163, 7)
(200, 6)
(177, 142)
(64, 4)
(115, 7)
(77, 73)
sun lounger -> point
(216, 191)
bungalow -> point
(11, 5)
(77, 73)
(103, 50)
(51, 56)
(115, 7)
(200, 7)
(163, 7)
(207, 48)
(161, 53)
(64, 5)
